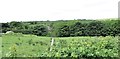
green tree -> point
(64, 31)
(40, 30)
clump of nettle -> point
(12, 51)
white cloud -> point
(31, 10)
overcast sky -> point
(41, 10)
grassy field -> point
(0, 47)
(21, 45)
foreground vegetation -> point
(20, 45)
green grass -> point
(0, 47)
(24, 48)
(35, 46)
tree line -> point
(65, 28)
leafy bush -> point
(86, 47)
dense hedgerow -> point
(66, 28)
